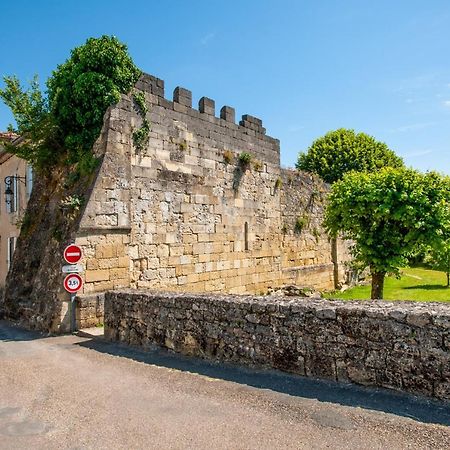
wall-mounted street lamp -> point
(9, 192)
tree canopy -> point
(387, 214)
(438, 257)
(79, 92)
(342, 151)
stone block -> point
(207, 106)
(182, 96)
(227, 113)
(96, 275)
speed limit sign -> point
(73, 283)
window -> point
(29, 180)
(11, 248)
(13, 203)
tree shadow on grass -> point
(428, 287)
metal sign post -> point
(72, 284)
(72, 313)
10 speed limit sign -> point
(73, 283)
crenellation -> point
(182, 96)
(207, 106)
(151, 84)
(189, 215)
(228, 113)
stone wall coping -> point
(397, 310)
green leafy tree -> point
(438, 257)
(81, 89)
(33, 121)
(387, 214)
(64, 126)
(342, 150)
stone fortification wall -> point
(400, 345)
(184, 213)
(192, 217)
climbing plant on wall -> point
(64, 125)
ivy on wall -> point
(141, 135)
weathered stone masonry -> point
(399, 345)
(180, 215)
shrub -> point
(245, 158)
(228, 156)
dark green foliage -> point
(342, 151)
(81, 89)
(300, 224)
(64, 127)
(245, 158)
(388, 214)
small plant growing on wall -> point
(71, 204)
(257, 164)
(284, 229)
(141, 135)
(316, 233)
(245, 159)
(300, 224)
(228, 156)
(183, 145)
(278, 183)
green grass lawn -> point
(423, 285)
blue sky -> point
(303, 67)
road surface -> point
(72, 392)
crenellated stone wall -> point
(193, 217)
(398, 345)
(183, 213)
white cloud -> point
(208, 37)
(412, 127)
(446, 103)
(295, 128)
(417, 153)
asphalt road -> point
(72, 392)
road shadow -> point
(10, 332)
(418, 408)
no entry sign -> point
(72, 254)
(73, 283)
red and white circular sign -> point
(72, 254)
(73, 283)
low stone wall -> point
(90, 310)
(399, 345)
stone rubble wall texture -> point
(184, 214)
(398, 345)
(90, 310)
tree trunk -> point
(377, 285)
(448, 279)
